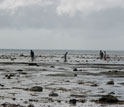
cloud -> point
(87, 6)
(43, 24)
(30, 16)
(34, 15)
(13, 5)
(63, 6)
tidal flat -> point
(49, 82)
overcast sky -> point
(62, 24)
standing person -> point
(32, 55)
(101, 54)
(65, 57)
(105, 56)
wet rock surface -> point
(10, 105)
(110, 82)
(73, 101)
(31, 105)
(75, 69)
(33, 64)
(109, 99)
(53, 94)
(36, 88)
(19, 70)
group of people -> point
(32, 56)
(103, 55)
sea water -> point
(39, 51)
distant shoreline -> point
(55, 51)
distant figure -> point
(105, 56)
(101, 54)
(65, 57)
(32, 55)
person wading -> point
(32, 55)
(101, 54)
(65, 57)
(105, 58)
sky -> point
(62, 24)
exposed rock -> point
(44, 70)
(73, 101)
(75, 75)
(64, 89)
(33, 100)
(19, 70)
(50, 100)
(113, 72)
(21, 55)
(111, 93)
(59, 101)
(75, 69)
(94, 85)
(33, 64)
(81, 82)
(87, 61)
(36, 88)
(110, 82)
(10, 105)
(8, 76)
(108, 99)
(12, 74)
(25, 102)
(31, 105)
(14, 99)
(82, 100)
(67, 81)
(53, 94)
(52, 66)
(122, 84)
(1, 85)
(77, 96)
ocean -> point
(38, 51)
